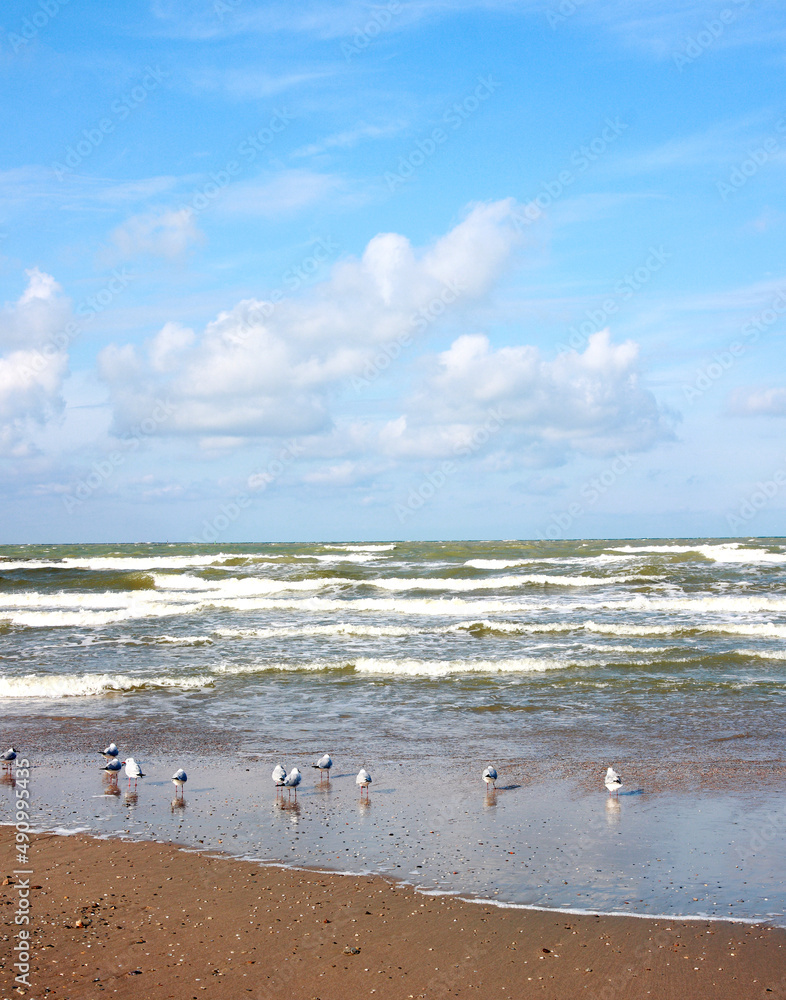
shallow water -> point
(423, 662)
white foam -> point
(494, 583)
(129, 563)
(499, 563)
(403, 667)
(351, 557)
(363, 548)
(730, 552)
(85, 685)
(442, 668)
(340, 628)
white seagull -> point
(363, 779)
(113, 766)
(292, 780)
(278, 776)
(613, 781)
(133, 770)
(324, 764)
(490, 776)
(111, 751)
(179, 778)
(9, 756)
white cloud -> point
(762, 402)
(269, 368)
(166, 233)
(591, 403)
(33, 361)
(288, 191)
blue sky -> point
(335, 270)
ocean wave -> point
(494, 583)
(352, 557)
(91, 685)
(501, 563)
(404, 667)
(291, 631)
(387, 547)
(731, 552)
(126, 562)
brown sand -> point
(149, 921)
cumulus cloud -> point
(267, 368)
(33, 361)
(591, 402)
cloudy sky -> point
(337, 270)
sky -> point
(325, 270)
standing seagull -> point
(278, 776)
(292, 780)
(9, 757)
(613, 781)
(179, 778)
(364, 780)
(111, 751)
(490, 776)
(112, 766)
(324, 764)
(133, 770)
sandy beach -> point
(144, 919)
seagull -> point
(133, 770)
(363, 779)
(9, 756)
(292, 780)
(490, 776)
(324, 764)
(613, 781)
(179, 778)
(111, 751)
(113, 766)
(278, 776)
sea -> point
(424, 662)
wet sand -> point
(123, 919)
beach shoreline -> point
(127, 917)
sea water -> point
(423, 662)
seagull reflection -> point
(131, 799)
(364, 805)
(111, 789)
(8, 779)
(177, 803)
(289, 806)
(490, 798)
(613, 810)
